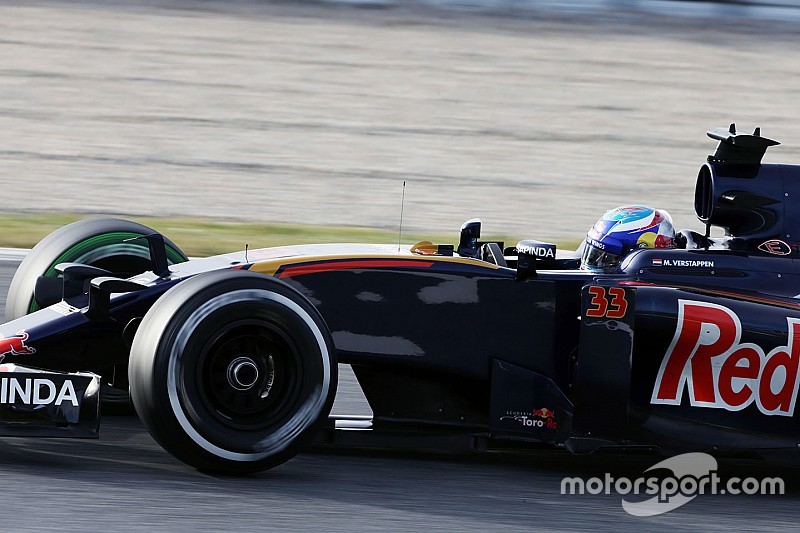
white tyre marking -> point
(289, 431)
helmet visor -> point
(597, 259)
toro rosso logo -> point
(707, 358)
(15, 345)
(537, 419)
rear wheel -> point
(233, 371)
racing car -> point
(231, 360)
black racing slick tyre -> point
(233, 372)
(97, 242)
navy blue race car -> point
(231, 360)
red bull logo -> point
(15, 345)
(707, 360)
(548, 416)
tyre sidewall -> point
(168, 351)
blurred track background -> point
(536, 116)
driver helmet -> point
(622, 230)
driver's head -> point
(622, 230)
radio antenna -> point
(245, 252)
(402, 203)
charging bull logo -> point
(547, 417)
(15, 345)
(707, 358)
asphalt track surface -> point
(125, 482)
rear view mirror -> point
(470, 233)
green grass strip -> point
(200, 237)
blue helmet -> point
(622, 230)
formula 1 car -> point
(231, 360)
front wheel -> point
(232, 371)
(100, 242)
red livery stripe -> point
(300, 270)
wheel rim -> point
(249, 375)
(180, 351)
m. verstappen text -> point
(37, 391)
(706, 358)
(690, 263)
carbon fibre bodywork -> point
(694, 348)
(444, 345)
